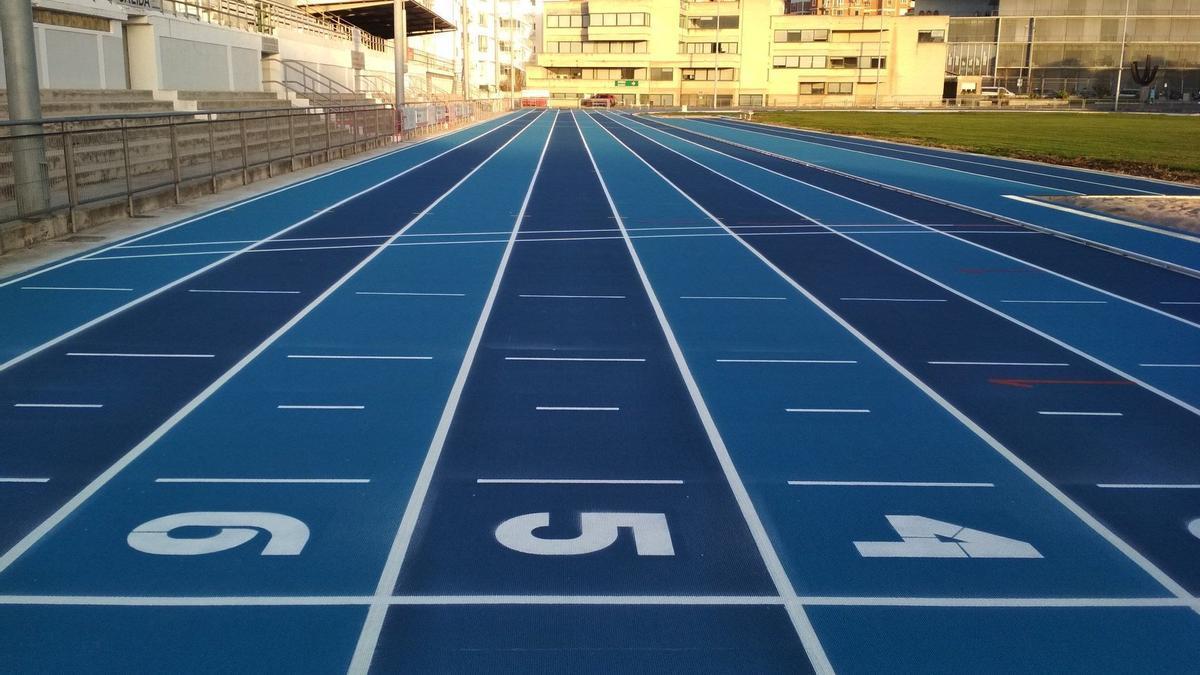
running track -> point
(597, 393)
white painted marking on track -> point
(413, 294)
(576, 481)
(728, 297)
(817, 361)
(828, 410)
(141, 356)
(570, 408)
(320, 407)
(1077, 413)
(1150, 486)
(1055, 302)
(250, 292)
(869, 483)
(360, 357)
(1180, 302)
(894, 299)
(574, 297)
(573, 358)
(18, 479)
(72, 288)
(1169, 365)
(58, 405)
(267, 481)
(1107, 219)
(995, 363)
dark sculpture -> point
(1144, 77)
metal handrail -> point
(182, 113)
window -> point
(597, 47)
(661, 100)
(711, 22)
(814, 35)
(706, 74)
(812, 88)
(753, 100)
(798, 62)
(483, 43)
(876, 62)
(931, 36)
(708, 47)
(662, 74)
(840, 87)
(597, 20)
(843, 62)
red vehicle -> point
(600, 101)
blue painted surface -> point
(754, 345)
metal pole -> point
(512, 52)
(879, 56)
(400, 47)
(466, 50)
(24, 103)
(1121, 62)
(717, 56)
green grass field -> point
(1160, 146)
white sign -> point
(597, 531)
(923, 537)
(285, 534)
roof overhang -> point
(375, 16)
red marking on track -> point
(1030, 384)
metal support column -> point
(24, 103)
(400, 47)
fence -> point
(104, 167)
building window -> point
(840, 87)
(597, 20)
(710, 22)
(601, 47)
(931, 36)
(798, 62)
(752, 100)
(814, 35)
(877, 62)
(661, 100)
(708, 47)
(706, 74)
(839, 62)
(812, 88)
(662, 74)
(483, 43)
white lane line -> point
(72, 288)
(1169, 365)
(575, 481)
(141, 356)
(320, 407)
(1107, 219)
(223, 290)
(869, 483)
(766, 550)
(1078, 413)
(360, 357)
(1055, 302)
(828, 410)
(728, 297)
(18, 479)
(1150, 486)
(995, 363)
(268, 481)
(58, 405)
(195, 273)
(827, 361)
(571, 408)
(895, 299)
(580, 297)
(413, 294)
(842, 601)
(8, 558)
(573, 358)
(1180, 302)
(364, 651)
(1164, 579)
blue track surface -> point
(594, 392)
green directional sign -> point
(625, 83)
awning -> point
(375, 16)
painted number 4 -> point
(922, 537)
(597, 531)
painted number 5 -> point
(597, 531)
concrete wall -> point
(72, 58)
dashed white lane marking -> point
(1077, 413)
(413, 294)
(238, 291)
(141, 356)
(572, 408)
(320, 407)
(573, 297)
(19, 479)
(269, 481)
(1150, 486)
(1056, 302)
(72, 288)
(1169, 365)
(826, 361)
(828, 410)
(1180, 302)
(576, 481)
(887, 483)
(58, 405)
(729, 297)
(360, 357)
(994, 363)
(895, 299)
(573, 358)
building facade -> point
(736, 52)
(1078, 46)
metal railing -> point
(308, 82)
(264, 16)
(422, 119)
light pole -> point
(1121, 61)
(400, 47)
(717, 56)
(24, 103)
(879, 54)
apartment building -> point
(743, 52)
(859, 7)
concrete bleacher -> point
(78, 102)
